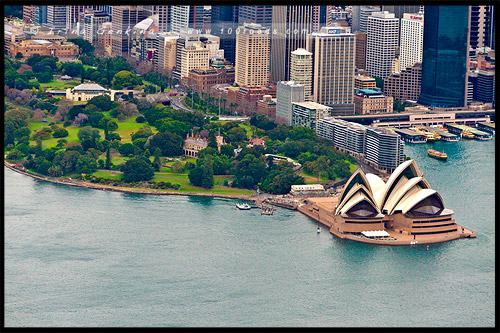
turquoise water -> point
(80, 257)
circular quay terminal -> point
(404, 210)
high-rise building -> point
(163, 13)
(29, 14)
(195, 56)
(290, 27)
(40, 15)
(481, 24)
(187, 38)
(224, 22)
(186, 17)
(411, 40)
(364, 13)
(333, 68)
(355, 16)
(320, 17)
(56, 18)
(144, 42)
(335, 13)
(360, 50)
(252, 56)
(399, 11)
(262, 15)
(301, 71)
(167, 53)
(485, 86)
(73, 16)
(123, 19)
(445, 56)
(406, 84)
(382, 41)
(92, 21)
(287, 92)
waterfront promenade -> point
(322, 210)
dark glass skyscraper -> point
(224, 22)
(444, 60)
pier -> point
(487, 127)
(459, 129)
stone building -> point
(44, 48)
(194, 143)
(368, 101)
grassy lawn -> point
(108, 175)
(129, 126)
(310, 179)
(59, 85)
(248, 129)
(184, 182)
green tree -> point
(125, 79)
(321, 164)
(137, 169)
(170, 144)
(60, 133)
(250, 171)
(212, 141)
(86, 164)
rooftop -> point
(301, 52)
(89, 86)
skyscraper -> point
(186, 17)
(287, 92)
(224, 22)
(291, 25)
(123, 19)
(399, 11)
(73, 15)
(333, 68)
(252, 56)
(364, 13)
(56, 18)
(163, 13)
(411, 40)
(382, 41)
(481, 21)
(301, 71)
(445, 56)
(256, 14)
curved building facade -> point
(404, 208)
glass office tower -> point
(444, 61)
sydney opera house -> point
(400, 211)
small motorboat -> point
(243, 206)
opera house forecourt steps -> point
(404, 210)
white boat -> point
(243, 206)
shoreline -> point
(83, 184)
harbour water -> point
(80, 257)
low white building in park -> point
(87, 91)
(308, 189)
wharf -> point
(458, 129)
(488, 127)
(410, 136)
(445, 136)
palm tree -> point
(224, 102)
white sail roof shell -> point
(414, 198)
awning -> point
(375, 233)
